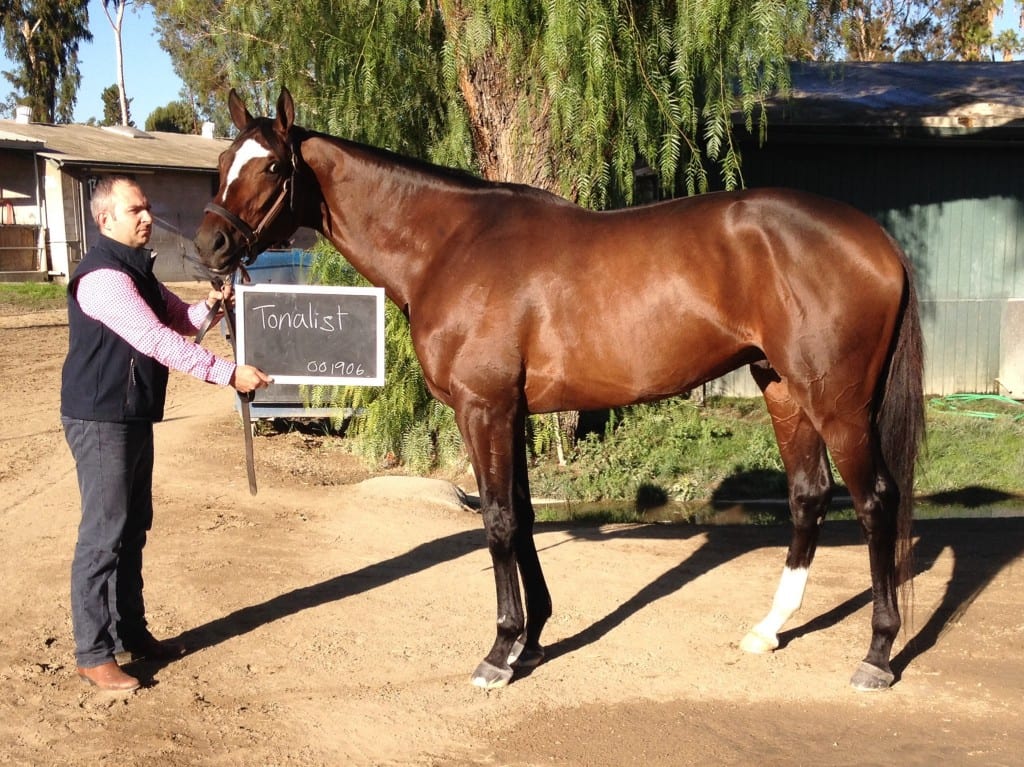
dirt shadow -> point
(981, 549)
(246, 619)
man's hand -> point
(225, 294)
(246, 378)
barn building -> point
(47, 172)
(935, 152)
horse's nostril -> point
(220, 242)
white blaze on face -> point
(250, 150)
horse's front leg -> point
(489, 436)
(528, 651)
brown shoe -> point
(108, 676)
(151, 648)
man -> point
(125, 332)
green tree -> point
(971, 33)
(567, 95)
(114, 112)
(202, 58)
(42, 38)
(1007, 46)
(898, 30)
(175, 117)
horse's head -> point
(254, 207)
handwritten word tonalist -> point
(308, 319)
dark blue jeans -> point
(115, 477)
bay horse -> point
(521, 302)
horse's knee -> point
(808, 508)
(810, 494)
(501, 528)
(808, 502)
(888, 493)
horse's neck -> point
(388, 221)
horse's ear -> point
(285, 110)
(239, 114)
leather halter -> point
(250, 240)
(251, 236)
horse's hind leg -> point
(810, 490)
(876, 500)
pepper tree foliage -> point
(567, 95)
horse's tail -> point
(901, 421)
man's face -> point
(128, 220)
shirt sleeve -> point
(111, 297)
(182, 317)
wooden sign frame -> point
(312, 334)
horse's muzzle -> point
(217, 250)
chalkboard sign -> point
(312, 334)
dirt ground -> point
(334, 619)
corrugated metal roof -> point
(931, 94)
(113, 146)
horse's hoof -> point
(489, 677)
(868, 678)
(758, 644)
(522, 656)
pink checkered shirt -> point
(110, 297)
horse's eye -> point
(274, 168)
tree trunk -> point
(42, 103)
(510, 132)
(119, 53)
(512, 146)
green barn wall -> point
(957, 209)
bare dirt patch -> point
(335, 618)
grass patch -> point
(685, 451)
(695, 457)
(973, 444)
(25, 297)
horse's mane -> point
(387, 160)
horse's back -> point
(599, 309)
(700, 237)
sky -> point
(149, 77)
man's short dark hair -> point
(103, 191)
